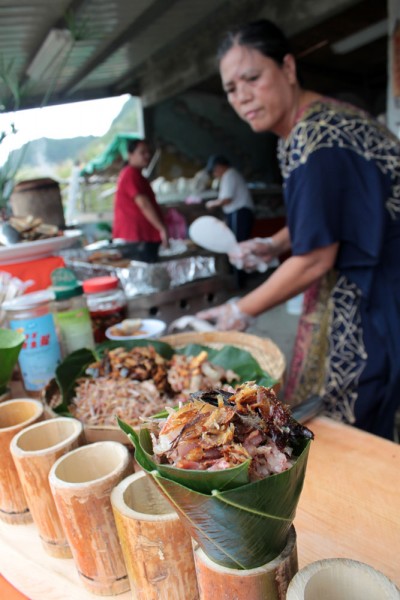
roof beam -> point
(146, 18)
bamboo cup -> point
(81, 483)
(15, 415)
(268, 582)
(335, 578)
(157, 550)
(34, 450)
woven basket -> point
(263, 350)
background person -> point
(137, 215)
(341, 174)
(234, 199)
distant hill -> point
(51, 152)
(47, 151)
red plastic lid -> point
(100, 284)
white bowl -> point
(150, 328)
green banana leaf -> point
(68, 371)
(240, 528)
(10, 346)
(231, 357)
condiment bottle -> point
(107, 304)
(71, 314)
(40, 354)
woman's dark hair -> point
(133, 144)
(261, 35)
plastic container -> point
(107, 304)
(41, 353)
(294, 306)
(72, 318)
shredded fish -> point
(214, 432)
(135, 384)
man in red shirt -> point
(137, 216)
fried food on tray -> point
(141, 364)
(187, 374)
(134, 384)
(218, 430)
(32, 228)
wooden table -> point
(350, 507)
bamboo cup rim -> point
(50, 435)
(93, 463)
(339, 578)
(12, 417)
(136, 492)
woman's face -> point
(140, 157)
(261, 91)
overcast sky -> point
(92, 117)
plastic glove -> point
(257, 254)
(212, 204)
(227, 316)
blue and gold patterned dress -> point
(341, 172)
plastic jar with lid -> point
(40, 354)
(72, 318)
(107, 304)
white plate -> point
(150, 328)
(25, 251)
(213, 234)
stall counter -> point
(349, 507)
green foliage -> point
(10, 346)
(68, 372)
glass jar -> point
(107, 304)
(40, 354)
(72, 318)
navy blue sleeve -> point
(336, 195)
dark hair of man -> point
(217, 159)
(261, 35)
(133, 144)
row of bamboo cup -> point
(87, 503)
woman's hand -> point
(226, 317)
(164, 237)
(212, 204)
(254, 254)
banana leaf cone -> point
(237, 523)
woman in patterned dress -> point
(341, 173)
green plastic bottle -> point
(71, 314)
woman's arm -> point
(218, 202)
(151, 215)
(281, 241)
(293, 276)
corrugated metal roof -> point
(111, 39)
(120, 46)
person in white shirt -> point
(235, 200)
(233, 197)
